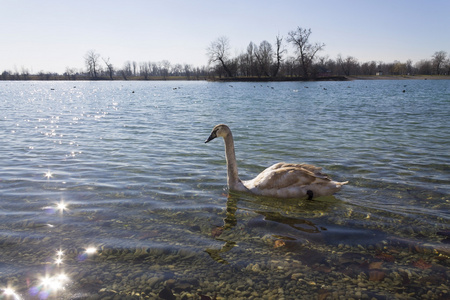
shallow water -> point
(121, 169)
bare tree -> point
(398, 68)
(278, 54)
(109, 67)
(264, 56)
(25, 74)
(145, 69)
(70, 73)
(348, 65)
(187, 71)
(438, 61)
(369, 68)
(306, 51)
(218, 51)
(250, 59)
(135, 65)
(177, 70)
(165, 68)
(91, 59)
(424, 67)
(127, 68)
(409, 68)
(447, 66)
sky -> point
(51, 35)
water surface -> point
(107, 189)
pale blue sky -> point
(50, 35)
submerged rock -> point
(166, 294)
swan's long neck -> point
(234, 183)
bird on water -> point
(282, 180)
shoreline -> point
(336, 78)
(252, 79)
(399, 77)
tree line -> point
(264, 61)
(100, 68)
(272, 61)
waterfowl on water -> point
(282, 180)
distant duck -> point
(281, 180)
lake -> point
(108, 190)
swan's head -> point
(221, 130)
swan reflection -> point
(278, 229)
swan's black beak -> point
(211, 137)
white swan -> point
(281, 180)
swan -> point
(282, 180)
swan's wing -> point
(284, 175)
(317, 171)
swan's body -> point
(281, 180)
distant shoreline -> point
(334, 78)
(278, 79)
(245, 79)
(400, 77)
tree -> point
(187, 71)
(25, 74)
(305, 50)
(145, 69)
(278, 54)
(91, 59)
(398, 68)
(424, 67)
(369, 68)
(247, 61)
(438, 61)
(264, 56)
(110, 68)
(447, 66)
(165, 68)
(126, 71)
(348, 65)
(218, 51)
(409, 68)
(71, 73)
(135, 65)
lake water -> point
(109, 192)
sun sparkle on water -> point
(10, 294)
(58, 261)
(91, 250)
(61, 206)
